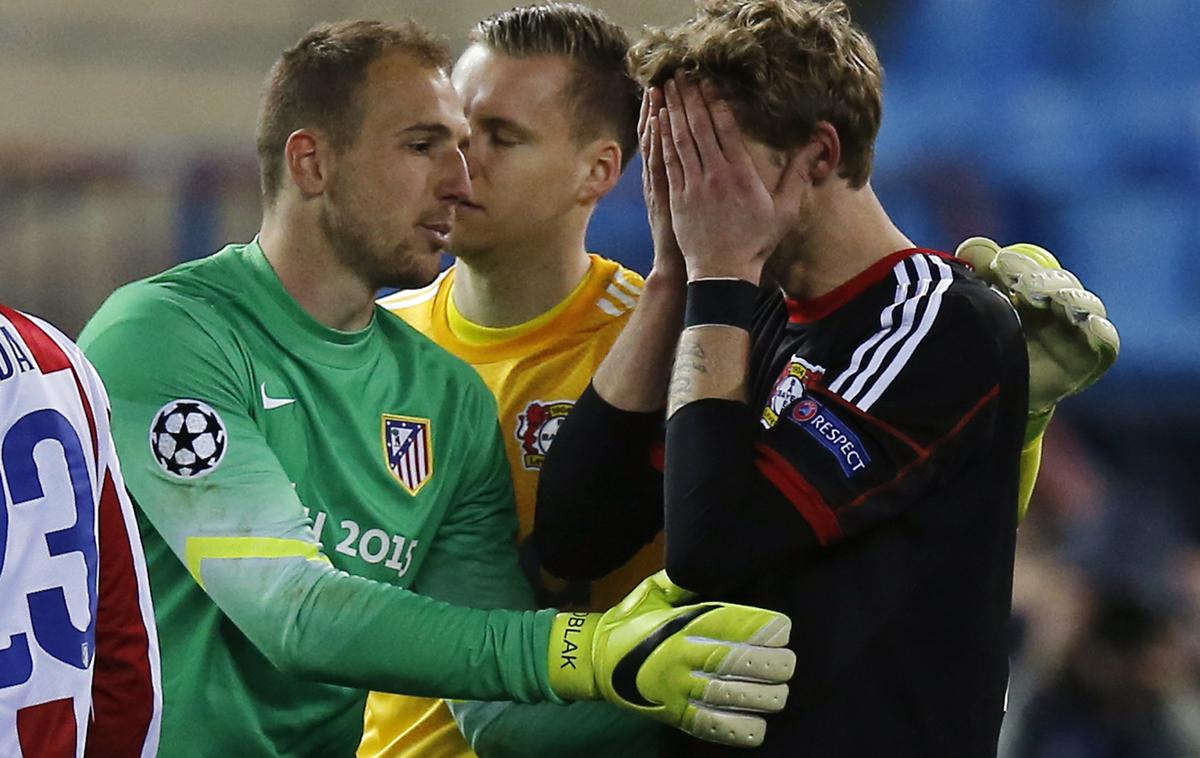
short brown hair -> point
(784, 65)
(605, 99)
(317, 82)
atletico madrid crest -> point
(408, 449)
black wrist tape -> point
(727, 302)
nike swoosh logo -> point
(271, 403)
(624, 676)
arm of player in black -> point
(600, 495)
(725, 520)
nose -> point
(455, 185)
(472, 153)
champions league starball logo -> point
(188, 438)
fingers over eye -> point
(699, 122)
(681, 134)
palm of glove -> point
(1071, 342)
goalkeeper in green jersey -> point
(319, 487)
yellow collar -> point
(477, 335)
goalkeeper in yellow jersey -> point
(554, 121)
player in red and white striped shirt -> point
(79, 665)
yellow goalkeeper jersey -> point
(536, 370)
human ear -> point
(823, 152)
(603, 166)
(307, 158)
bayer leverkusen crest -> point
(797, 376)
(536, 427)
(408, 449)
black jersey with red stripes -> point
(880, 514)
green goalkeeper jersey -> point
(308, 499)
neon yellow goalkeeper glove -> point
(1071, 341)
(709, 669)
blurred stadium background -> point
(126, 145)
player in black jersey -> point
(846, 411)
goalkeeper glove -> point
(1071, 341)
(709, 669)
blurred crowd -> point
(1076, 123)
(1106, 624)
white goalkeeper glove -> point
(710, 669)
(1071, 341)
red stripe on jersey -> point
(51, 357)
(658, 456)
(805, 311)
(47, 730)
(802, 495)
(122, 685)
(927, 452)
(868, 418)
(87, 410)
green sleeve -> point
(245, 537)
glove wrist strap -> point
(570, 656)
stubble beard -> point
(792, 249)
(356, 248)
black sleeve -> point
(600, 493)
(723, 519)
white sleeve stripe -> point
(621, 279)
(900, 333)
(608, 307)
(886, 325)
(887, 351)
(616, 293)
(946, 277)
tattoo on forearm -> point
(690, 361)
(711, 361)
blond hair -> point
(784, 65)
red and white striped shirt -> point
(79, 664)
